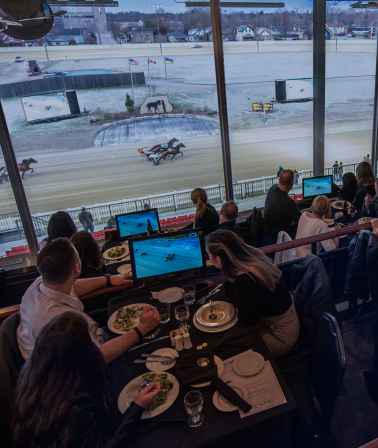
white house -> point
(244, 33)
(177, 36)
(60, 40)
(336, 28)
(197, 35)
(263, 33)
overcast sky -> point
(172, 6)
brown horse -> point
(173, 154)
(25, 166)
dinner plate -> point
(331, 229)
(225, 312)
(135, 320)
(363, 220)
(105, 254)
(225, 406)
(126, 398)
(329, 221)
(220, 369)
(339, 205)
(125, 269)
(215, 329)
(169, 295)
(155, 366)
(248, 364)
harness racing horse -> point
(155, 105)
(157, 148)
(25, 166)
(173, 154)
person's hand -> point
(148, 395)
(148, 319)
(374, 224)
(338, 226)
(120, 280)
(368, 200)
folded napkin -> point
(230, 395)
(189, 372)
(237, 336)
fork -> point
(214, 291)
(153, 334)
(142, 382)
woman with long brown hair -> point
(255, 286)
(89, 254)
(206, 216)
(366, 181)
(63, 395)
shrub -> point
(212, 112)
(129, 103)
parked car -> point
(195, 46)
(54, 73)
(18, 59)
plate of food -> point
(224, 405)
(364, 219)
(340, 205)
(329, 221)
(220, 369)
(223, 310)
(125, 269)
(115, 253)
(126, 318)
(167, 396)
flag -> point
(169, 61)
(133, 62)
(151, 62)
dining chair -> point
(284, 255)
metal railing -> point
(167, 202)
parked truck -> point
(33, 68)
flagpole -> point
(166, 76)
(131, 77)
(149, 79)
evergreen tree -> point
(129, 103)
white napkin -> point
(169, 295)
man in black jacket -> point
(280, 211)
(227, 217)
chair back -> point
(328, 364)
(285, 255)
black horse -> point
(156, 105)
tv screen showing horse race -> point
(131, 224)
(41, 107)
(314, 186)
(166, 254)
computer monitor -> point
(155, 257)
(314, 186)
(135, 223)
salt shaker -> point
(179, 342)
(187, 341)
(173, 340)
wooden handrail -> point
(105, 290)
(315, 238)
(8, 311)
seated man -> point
(280, 212)
(227, 217)
(58, 289)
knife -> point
(145, 355)
(146, 343)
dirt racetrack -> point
(70, 178)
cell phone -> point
(204, 285)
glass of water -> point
(193, 403)
(182, 315)
(189, 294)
(164, 312)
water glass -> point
(193, 403)
(164, 312)
(182, 315)
(189, 294)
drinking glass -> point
(189, 294)
(193, 403)
(164, 312)
(182, 316)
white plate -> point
(170, 295)
(329, 221)
(155, 366)
(135, 320)
(125, 399)
(363, 220)
(341, 206)
(227, 310)
(220, 368)
(105, 254)
(225, 406)
(125, 269)
(248, 364)
(215, 329)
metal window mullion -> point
(375, 119)
(17, 186)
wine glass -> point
(182, 314)
(193, 403)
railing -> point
(167, 202)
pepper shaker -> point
(187, 341)
(179, 342)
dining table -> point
(275, 427)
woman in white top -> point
(313, 224)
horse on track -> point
(25, 166)
(174, 153)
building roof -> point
(335, 24)
(262, 30)
(71, 32)
(61, 39)
(240, 29)
(141, 29)
(178, 34)
(208, 30)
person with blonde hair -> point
(206, 216)
(313, 224)
(366, 181)
(255, 286)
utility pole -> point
(45, 44)
(157, 21)
(257, 34)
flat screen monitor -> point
(135, 223)
(314, 186)
(155, 257)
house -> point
(60, 40)
(336, 28)
(263, 33)
(244, 33)
(163, 38)
(304, 33)
(141, 35)
(209, 34)
(76, 34)
(197, 35)
(177, 36)
(12, 41)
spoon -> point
(212, 316)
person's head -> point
(335, 161)
(88, 250)
(348, 178)
(286, 180)
(321, 205)
(65, 362)
(341, 163)
(83, 208)
(199, 199)
(58, 262)
(228, 212)
(365, 174)
(229, 253)
(146, 206)
(60, 226)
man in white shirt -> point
(58, 289)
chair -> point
(285, 255)
(11, 362)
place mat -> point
(188, 372)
